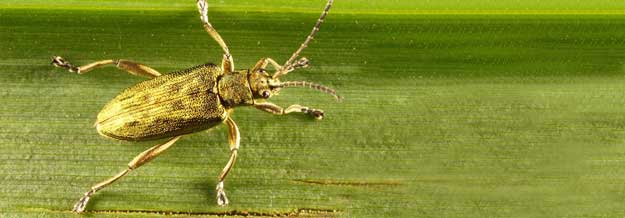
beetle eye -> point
(266, 94)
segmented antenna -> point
(310, 85)
(287, 64)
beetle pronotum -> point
(192, 100)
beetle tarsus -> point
(317, 114)
(301, 63)
(222, 200)
(58, 61)
(80, 206)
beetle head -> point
(262, 84)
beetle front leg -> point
(139, 160)
(262, 64)
(277, 110)
(234, 139)
(129, 66)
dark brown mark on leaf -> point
(349, 183)
(299, 212)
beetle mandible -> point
(192, 100)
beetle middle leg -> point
(277, 110)
(129, 66)
(234, 139)
(139, 160)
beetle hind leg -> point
(138, 161)
(129, 66)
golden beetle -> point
(192, 100)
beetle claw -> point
(302, 63)
(80, 206)
(222, 200)
(318, 114)
(58, 61)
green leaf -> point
(452, 109)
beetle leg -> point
(262, 64)
(129, 66)
(234, 139)
(139, 160)
(277, 110)
(227, 64)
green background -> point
(452, 109)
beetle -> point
(191, 100)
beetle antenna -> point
(287, 67)
(315, 86)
